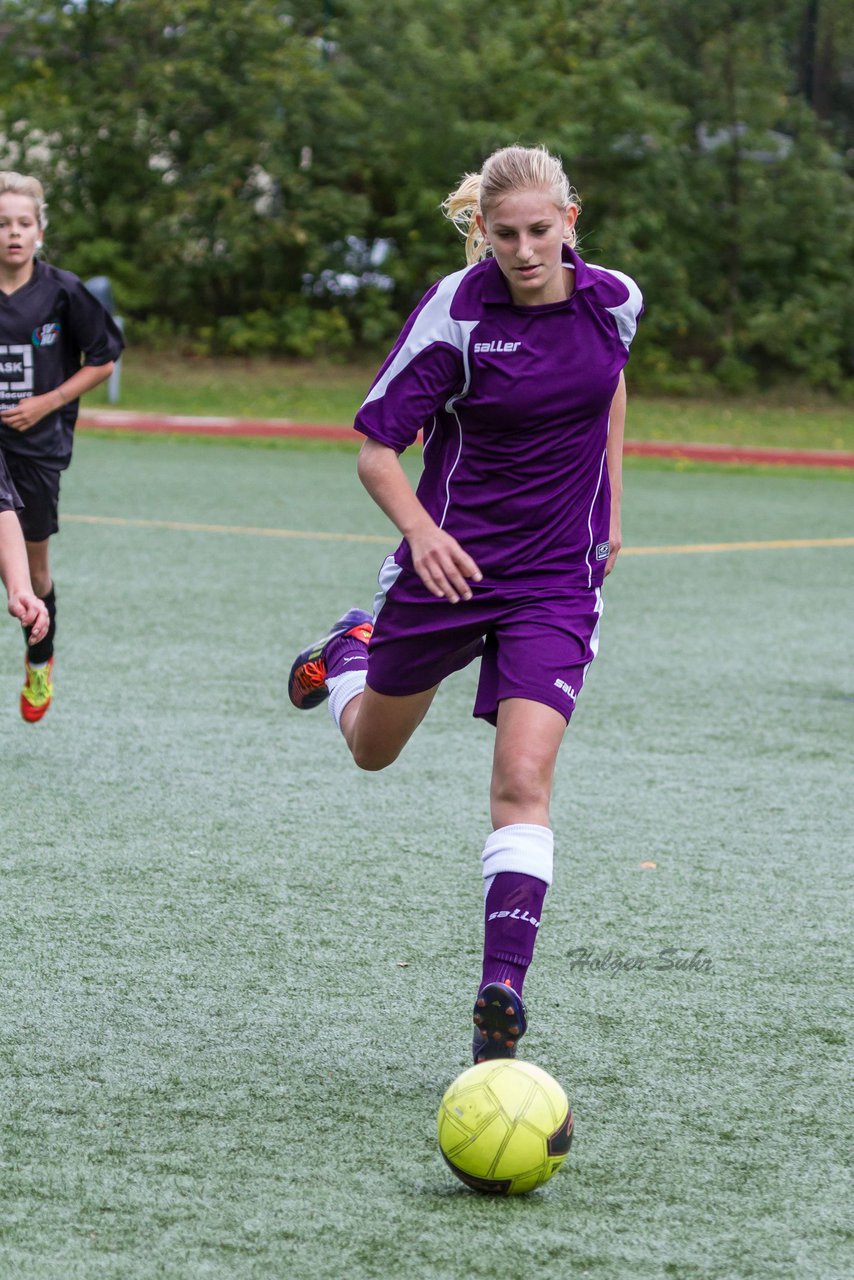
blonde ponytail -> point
(461, 207)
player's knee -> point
(525, 781)
(372, 756)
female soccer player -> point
(48, 319)
(512, 368)
(14, 571)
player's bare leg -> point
(527, 740)
(376, 727)
(38, 559)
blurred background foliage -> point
(264, 176)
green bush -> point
(735, 375)
(308, 331)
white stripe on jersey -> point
(454, 467)
(588, 561)
(626, 314)
(451, 407)
(432, 324)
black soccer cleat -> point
(499, 1022)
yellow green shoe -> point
(37, 691)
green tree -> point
(224, 161)
(172, 137)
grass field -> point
(331, 393)
(238, 974)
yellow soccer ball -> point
(505, 1126)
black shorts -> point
(38, 489)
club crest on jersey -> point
(46, 334)
(496, 345)
(603, 550)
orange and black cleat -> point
(307, 686)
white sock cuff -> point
(524, 848)
(343, 689)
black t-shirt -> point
(46, 326)
(9, 500)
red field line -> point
(739, 453)
(179, 424)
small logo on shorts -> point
(567, 688)
(46, 334)
(603, 550)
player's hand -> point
(443, 566)
(26, 413)
(30, 612)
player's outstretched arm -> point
(24, 604)
(440, 562)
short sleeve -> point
(628, 312)
(95, 331)
(425, 369)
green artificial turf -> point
(238, 974)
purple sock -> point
(345, 653)
(512, 913)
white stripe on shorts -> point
(387, 577)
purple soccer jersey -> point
(513, 402)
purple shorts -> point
(537, 640)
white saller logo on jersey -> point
(567, 688)
(515, 915)
(497, 345)
(23, 367)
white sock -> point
(523, 847)
(343, 689)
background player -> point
(48, 320)
(512, 368)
